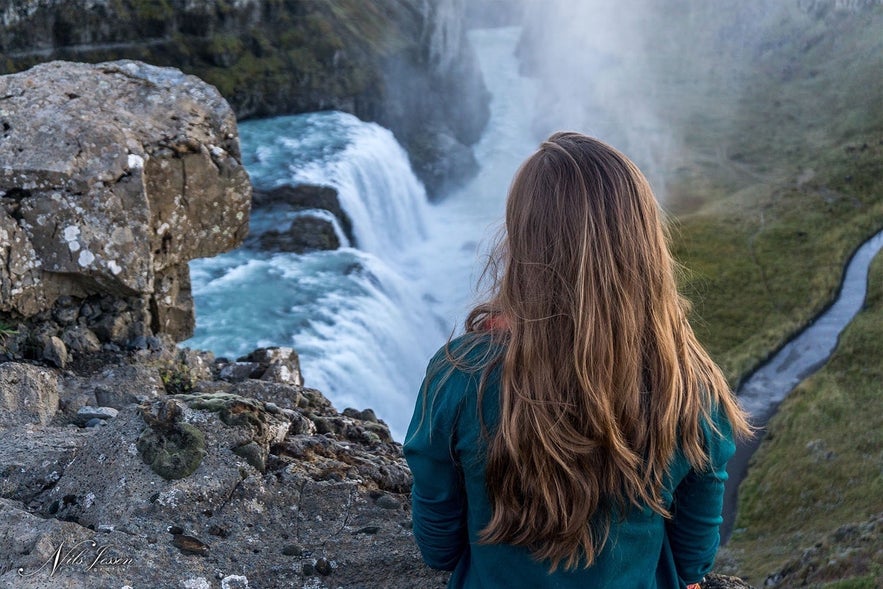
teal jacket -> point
(446, 452)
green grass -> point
(821, 465)
(777, 185)
(777, 180)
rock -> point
(54, 351)
(306, 196)
(32, 459)
(323, 566)
(239, 371)
(81, 339)
(307, 233)
(714, 581)
(86, 414)
(388, 502)
(234, 582)
(190, 545)
(28, 394)
(280, 364)
(115, 386)
(113, 176)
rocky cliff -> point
(112, 177)
(403, 63)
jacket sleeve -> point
(694, 530)
(438, 500)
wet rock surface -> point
(304, 197)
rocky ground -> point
(241, 476)
(168, 468)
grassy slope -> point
(829, 433)
(768, 208)
(787, 190)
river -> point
(762, 392)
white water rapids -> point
(365, 320)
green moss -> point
(253, 454)
(867, 582)
(173, 452)
(224, 50)
(152, 10)
(233, 410)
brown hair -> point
(602, 376)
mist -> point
(659, 79)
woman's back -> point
(579, 410)
(447, 450)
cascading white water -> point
(350, 312)
(365, 321)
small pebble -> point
(323, 567)
(292, 550)
(190, 545)
(388, 502)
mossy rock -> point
(232, 410)
(253, 454)
(173, 452)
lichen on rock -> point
(171, 448)
(112, 177)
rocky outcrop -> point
(233, 481)
(317, 219)
(208, 486)
(112, 177)
(28, 394)
(403, 63)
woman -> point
(577, 435)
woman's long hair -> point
(602, 376)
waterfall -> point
(365, 319)
(356, 316)
(362, 161)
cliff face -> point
(403, 63)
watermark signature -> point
(87, 555)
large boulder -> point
(112, 177)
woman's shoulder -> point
(456, 370)
(469, 353)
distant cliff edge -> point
(405, 64)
